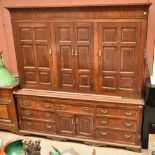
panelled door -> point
(84, 125)
(83, 33)
(74, 51)
(72, 124)
(33, 56)
(118, 57)
(66, 123)
(65, 53)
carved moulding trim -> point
(90, 7)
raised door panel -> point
(118, 57)
(34, 42)
(64, 52)
(83, 33)
(84, 125)
(4, 112)
(66, 123)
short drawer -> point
(116, 136)
(36, 104)
(37, 114)
(117, 112)
(31, 125)
(76, 109)
(116, 123)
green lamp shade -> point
(6, 78)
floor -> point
(82, 149)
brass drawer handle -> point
(26, 103)
(104, 122)
(47, 106)
(128, 113)
(28, 123)
(128, 124)
(104, 111)
(47, 114)
(27, 113)
(63, 107)
(103, 133)
(127, 136)
(48, 126)
(85, 108)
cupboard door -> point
(83, 33)
(66, 123)
(118, 57)
(65, 55)
(34, 43)
(84, 125)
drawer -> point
(115, 123)
(37, 114)
(117, 112)
(105, 122)
(116, 136)
(31, 125)
(36, 104)
(4, 113)
(76, 109)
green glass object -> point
(1, 143)
(14, 148)
(6, 78)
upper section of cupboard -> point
(82, 49)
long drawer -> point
(37, 104)
(39, 126)
(116, 135)
(116, 123)
(130, 113)
(44, 114)
(75, 108)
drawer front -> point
(127, 124)
(117, 112)
(115, 123)
(76, 109)
(116, 136)
(36, 105)
(30, 125)
(105, 122)
(4, 112)
(37, 114)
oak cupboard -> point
(81, 71)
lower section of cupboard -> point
(95, 142)
(93, 119)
